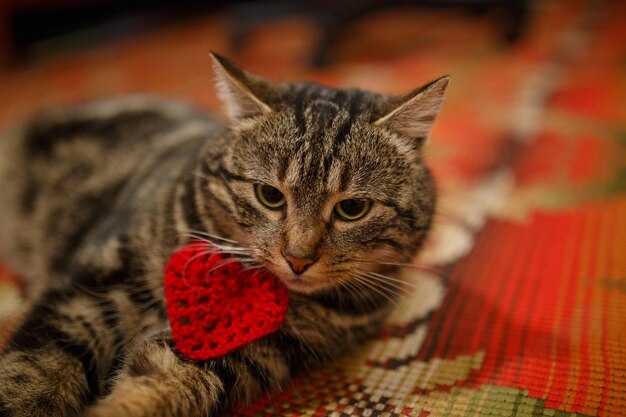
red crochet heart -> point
(216, 306)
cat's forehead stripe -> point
(327, 126)
(324, 118)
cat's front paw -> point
(40, 383)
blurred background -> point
(524, 311)
(65, 51)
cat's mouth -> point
(295, 283)
(302, 284)
(305, 283)
(317, 278)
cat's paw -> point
(141, 398)
(131, 403)
(105, 410)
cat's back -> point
(64, 169)
(101, 130)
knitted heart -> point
(216, 306)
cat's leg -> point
(58, 359)
(156, 382)
(42, 382)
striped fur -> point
(96, 198)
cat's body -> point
(77, 184)
(97, 197)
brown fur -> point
(98, 196)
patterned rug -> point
(518, 305)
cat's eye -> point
(269, 196)
(349, 210)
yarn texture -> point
(215, 305)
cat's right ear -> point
(245, 95)
(411, 116)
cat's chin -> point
(301, 285)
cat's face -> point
(326, 187)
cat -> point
(326, 188)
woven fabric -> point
(517, 305)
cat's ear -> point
(411, 116)
(245, 95)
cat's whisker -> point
(201, 175)
(338, 293)
(194, 246)
(386, 278)
(248, 264)
(209, 249)
(235, 257)
(397, 288)
(193, 258)
(209, 241)
(223, 264)
(392, 301)
(89, 291)
(200, 239)
(353, 293)
(384, 292)
(252, 265)
(207, 234)
(207, 253)
(238, 254)
(207, 237)
(400, 286)
(354, 290)
(222, 248)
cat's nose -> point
(298, 265)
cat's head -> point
(324, 186)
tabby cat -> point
(324, 187)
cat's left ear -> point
(411, 116)
(245, 95)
